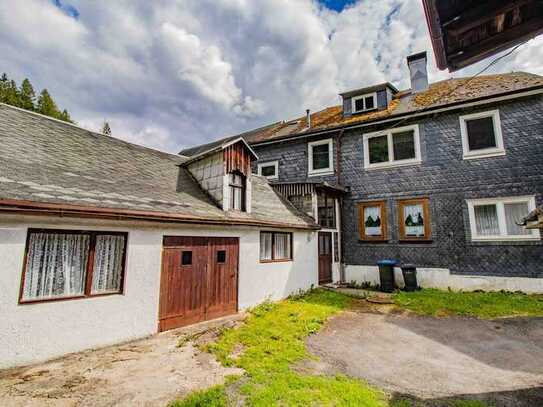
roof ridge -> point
(107, 137)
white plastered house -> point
(103, 241)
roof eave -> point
(436, 35)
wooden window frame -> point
(89, 269)
(233, 187)
(392, 162)
(427, 220)
(355, 98)
(384, 223)
(499, 150)
(274, 164)
(327, 198)
(321, 171)
(273, 247)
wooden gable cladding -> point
(237, 157)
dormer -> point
(369, 99)
(223, 171)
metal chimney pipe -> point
(308, 118)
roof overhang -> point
(369, 89)
(465, 32)
(221, 147)
(78, 211)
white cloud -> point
(170, 74)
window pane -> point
(514, 212)
(368, 102)
(413, 220)
(268, 170)
(321, 158)
(404, 145)
(481, 133)
(336, 247)
(378, 149)
(221, 256)
(265, 246)
(359, 104)
(372, 221)
(186, 258)
(486, 220)
(108, 264)
(56, 265)
(282, 246)
(237, 198)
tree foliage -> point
(106, 129)
(25, 98)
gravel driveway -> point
(149, 372)
(437, 358)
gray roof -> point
(46, 161)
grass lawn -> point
(485, 305)
(268, 344)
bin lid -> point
(387, 262)
(409, 266)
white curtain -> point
(371, 224)
(265, 246)
(514, 212)
(282, 246)
(108, 264)
(413, 220)
(486, 220)
(56, 265)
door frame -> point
(330, 255)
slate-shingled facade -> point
(450, 181)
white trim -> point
(408, 116)
(391, 162)
(355, 98)
(321, 171)
(500, 209)
(487, 152)
(275, 164)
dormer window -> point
(363, 103)
(237, 187)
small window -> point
(221, 256)
(269, 170)
(414, 218)
(57, 264)
(497, 219)
(364, 103)
(481, 135)
(237, 191)
(186, 258)
(336, 247)
(372, 220)
(326, 211)
(395, 147)
(275, 246)
(320, 157)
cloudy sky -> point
(171, 74)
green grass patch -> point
(485, 305)
(213, 397)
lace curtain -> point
(413, 220)
(282, 246)
(108, 264)
(372, 221)
(486, 220)
(514, 212)
(56, 265)
(266, 246)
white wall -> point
(443, 279)
(40, 331)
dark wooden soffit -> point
(464, 32)
(79, 211)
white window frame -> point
(269, 164)
(499, 150)
(320, 171)
(391, 162)
(500, 210)
(355, 98)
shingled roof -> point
(50, 165)
(439, 94)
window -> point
(320, 157)
(364, 103)
(336, 247)
(237, 191)
(481, 135)
(497, 218)
(372, 220)
(414, 219)
(68, 264)
(326, 211)
(186, 258)
(275, 246)
(269, 170)
(391, 148)
(221, 256)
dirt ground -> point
(150, 372)
(500, 361)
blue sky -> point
(171, 74)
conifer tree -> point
(27, 96)
(47, 106)
(106, 129)
(11, 94)
(3, 87)
(65, 116)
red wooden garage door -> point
(199, 280)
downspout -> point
(340, 207)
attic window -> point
(237, 191)
(364, 103)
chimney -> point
(308, 118)
(418, 72)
